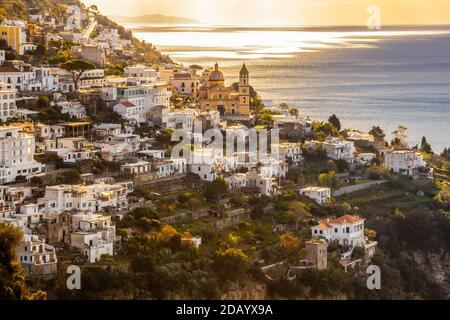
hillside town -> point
(89, 130)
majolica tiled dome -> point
(216, 75)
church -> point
(232, 104)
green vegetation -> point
(12, 280)
(77, 68)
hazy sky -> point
(298, 12)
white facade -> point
(405, 162)
(17, 155)
(347, 230)
(131, 112)
(318, 194)
(74, 108)
(183, 119)
(92, 198)
(142, 73)
(36, 256)
(136, 168)
(289, 151)
(167, 168)
(93, 235)
(337, 149)
(253, 181)
(8, 106)
(206, 172)
(48, 77)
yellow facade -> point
(215, 96)
(12, 35)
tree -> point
(12, 281)
(167, 234)
(289, 244)
(329, 180)
(425, 146)
(400, 138)
(164, 137)
(196, 67)
(446, 154)
(43, 102)
(36, 181)
(230, 263)
(334, 120)
(377, 133)
(324, 129)
(71, 176)
(41, 50)
(216, 189)
(77, 68)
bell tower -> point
(244, 91)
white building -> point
(17, 155)
(37, 257)
(160, 94)
(12, 77)
(107, 129)
(131, 112)
(206, 172)
(44, 131)
(93, 78)
(288, 151)
(136, 168)
(93, 234)
(348, 230)
(142, 73)
(181, 119)
(185, 85)
(74, 108)
(48, 77)
(2, 57)
(8, 106)
(90, 198)
(318, 194)
(405, 162)
(336, 148)
(251, 181)
(169, 167)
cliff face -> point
(246, 291)
(438, 265)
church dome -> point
(216, 75)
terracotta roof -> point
(330, 222)
(127, 104)
(182, 76)
(8, 69)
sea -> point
(387, 77)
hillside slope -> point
(19, 9)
